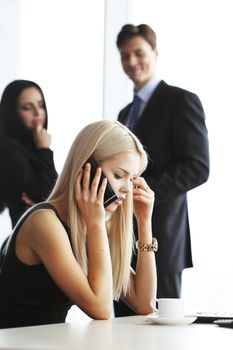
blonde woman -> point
(71, 249)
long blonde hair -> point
(103, 140)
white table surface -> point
(122, 333)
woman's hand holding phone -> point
(90, 196)
(109, 194)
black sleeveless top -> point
(28, 295)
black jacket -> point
(173, 132)
(24, 168)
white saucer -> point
(155, 319)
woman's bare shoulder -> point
(44, 224)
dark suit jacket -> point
(173, 132)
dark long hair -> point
(10, 122)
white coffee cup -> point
(170, 308)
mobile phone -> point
(109, 195)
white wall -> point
(117, 87)
(61, 47)
(8, 41)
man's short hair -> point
(130, 31)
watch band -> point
(144, 247)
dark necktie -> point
(133, 115)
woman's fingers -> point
(98, 186)
(102, 190)
(141, 191)
(140, 185)
(90, 188)
(86, 178)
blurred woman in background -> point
(27, 171)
